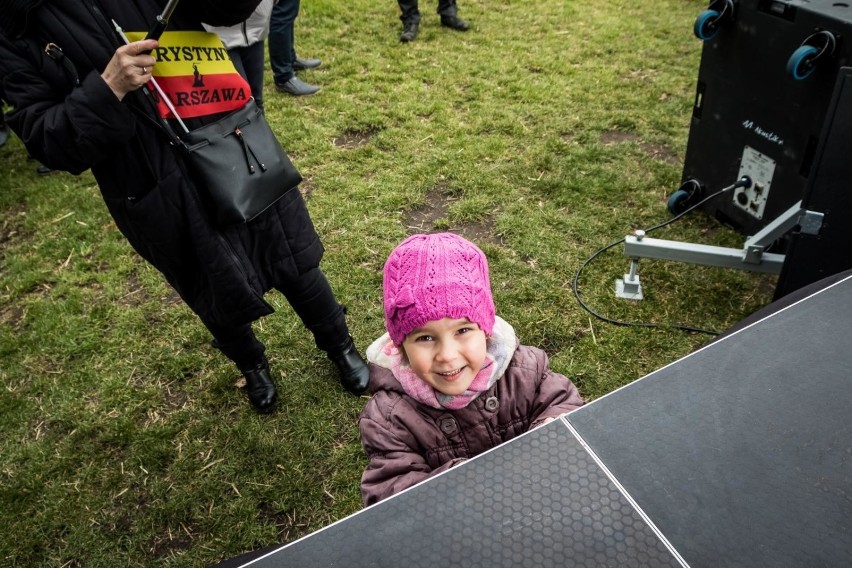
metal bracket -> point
(810, 222)
(629, 287)
(752, 257)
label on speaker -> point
(760, 168)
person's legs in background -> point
(448, 11)
(282, 50)
(313, 301)
(250, 63)
(410, 17)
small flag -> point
(194, 70)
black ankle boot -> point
(354, 375)
(409, 32)
(260, 388)
(454, 23)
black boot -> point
(354, 375)
(260, 388)
(454, 23)
(409, 32)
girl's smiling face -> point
(447, 354)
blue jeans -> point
(249, 62)
(282, 48)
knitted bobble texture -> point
(431, 277)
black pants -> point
(410, 13)
(313, 301)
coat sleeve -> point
(395, 464)
(64, 130)
(555, 395)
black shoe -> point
(354, 374)
(454, 23)
(43, 170)
(297, 87)
(302, 64)
(260, 388)
(4, 133)
(409, 32)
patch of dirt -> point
(661, 153)
(554, 342)
(56, 429)
(617, 137)
(431, 217)
(351, 139)
(135, 295)
(173, 298)
(175, 400)
(169, 545)
(422, 219)
(10, 227)
(12, 316)
(478, 232)
(654, 151)
(306, 188)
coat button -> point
(491, 403)
(448, 425)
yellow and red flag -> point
(194, 70)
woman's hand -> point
(130, 67)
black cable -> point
(742, 182)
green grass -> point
(549, 130)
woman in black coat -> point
(74, 88)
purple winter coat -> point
(408, 442)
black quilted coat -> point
(70, 120)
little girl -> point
(449, 379)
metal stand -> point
(751, 257)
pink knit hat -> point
(431, 277)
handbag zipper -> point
(248, 150)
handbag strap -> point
(162, 124)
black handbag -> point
(240, 164)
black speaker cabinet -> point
(767, 73)
(821, 245)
